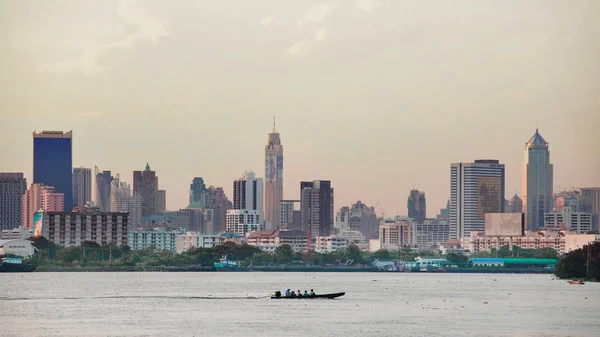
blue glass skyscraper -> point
(52, 162)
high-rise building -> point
(161, 201)
(359, 217)
(286, 218)
(273, 179)
(243, 221)
(123, 199)
(316, 205)
(40, 197)
(102, 184)
(215, 199)
(145, 183)
(248, 194)
(475, 189)
(12, 187)
(53, 162)
(537, 182)
(82, 186)
(416, 206)
(591, 203)
(515, 205)
(197, 188)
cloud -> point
(135, 26)
(366, 5)
(304, 44)
(267, 20)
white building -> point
(160, 238)
(268, 240)
(248, 194)
(394, 235)
(16, 233)
(431, 233)
(23, 248)
(354, 236)
(475, 189)
(478, 241)
(243, 221)
(123, 199)
(328, 244)
(191, 240)
(537, 182)
(577, 222)
(88, 224)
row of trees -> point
(583, 263)
(93, 254)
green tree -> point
(457, 258)
(574, 263)
(284, 253)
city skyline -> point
(474, 89)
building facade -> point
(197, 189)
(102, 186)
(475, 189)
(268, 240)
(248, 194)
(145, 183)
(515, 205)
(53, 162)
(316, 207)
(478, 241)
(591, 199)
(160, 239)
(394, 235)
(273, 179)
(417, 207)
(123, 199)
(82, 186)
(88, 224)
(567, 219)
(431, 233)
(331, 243)
(537, 182)
(161, 201)
(243, 221)
(12, 188)
(286, 218)
(40, 197)
(215, 199)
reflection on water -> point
(237, 304)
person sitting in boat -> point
(312, 293)
(293, 294)
(299, 293)
(278, 293)
(288, 292)
(305, 293)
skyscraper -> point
(53, 162)
(123, 199)
(197, 188)
(416, 206)
(12, 187)
(102, 181)
(41, 197)
(273, 179)
(591, 204)
(215, 199)
(537, 182)
(248, 194)
(316, 207)
(475, 189)
(145, 183)
(161, 201)
(82, 186)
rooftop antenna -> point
(273, 124)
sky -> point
(376, 96)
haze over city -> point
(378, 97)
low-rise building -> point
(87, 224)
(478, 241)
(569, 219)
(18, 247)
(268, 240)
(353, 236)
(328, 244)
(159, 238)
(243, 221)
(192, 240)
(431, 233)
(16, 233)
(395, 234)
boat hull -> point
(16, 268)
(326, 296)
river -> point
(236, 304)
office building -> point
(102, 186)
(53, 162)
(215, 199)
(591, 204)
(568, 219)
(515, 205)
(161, 201)
(475, 189)
(124, 200)
(82, 186)
(416, 205)
(431, 233)
(88, 224)
(537, 182)
(248, 194)
(40, 197)
(197, 189)
(273, 179)
(145, 183)
(12, 188)
(286, 218)
(394, 235)
(316, 207)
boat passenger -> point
(293, 294)
(288, 292)
(312, 293)
(305, 293)
(299, 293)
(278, 293)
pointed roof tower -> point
(537, 140)
(147, 167)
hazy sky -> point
(377, 96)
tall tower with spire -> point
(537, 182)
(273, 179)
